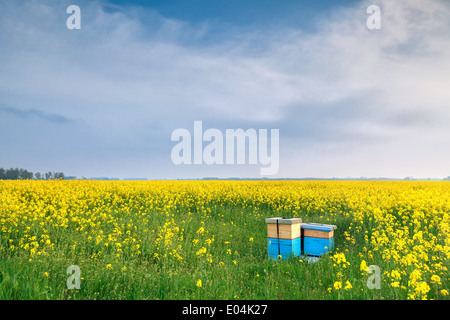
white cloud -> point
(130, 76)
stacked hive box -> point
(317, 238)
(283, 237)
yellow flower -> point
(108, 266)
(348, 285)
(201, 251)
(363, 267)
(436, 279)
(45, 274)
(337, 285)
(199, 283)
(395, 274)
(404, 224)
(339, 258)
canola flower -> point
(348, 285)
(337, 285)
(402, 227)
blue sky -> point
(259, 13)
(104, 100)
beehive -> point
(283, 248)
(283, 237)
(317, 238)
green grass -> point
(245, 272)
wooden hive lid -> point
(284, 220)
(318, 226)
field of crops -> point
(208, 239)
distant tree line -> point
(18, 174)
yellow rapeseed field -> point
(207, 239)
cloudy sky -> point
(104, 100)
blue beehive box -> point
(283, 237)
(317, 246)
(317, 238)
(284, 247)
